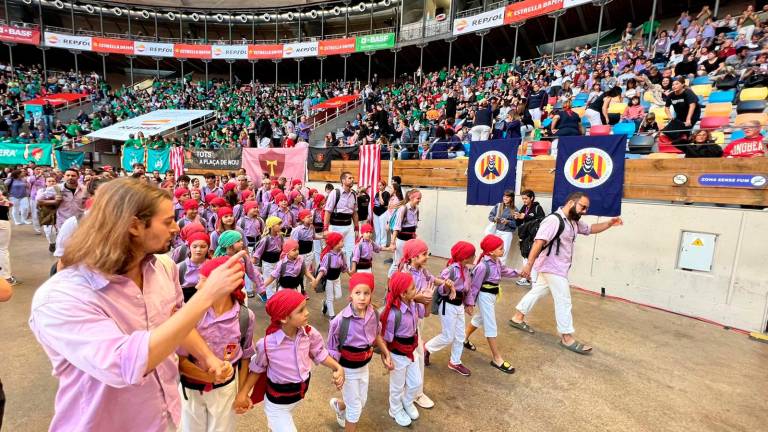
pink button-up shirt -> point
(96, 332)
(289, 360)
(559, 263)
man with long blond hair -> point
(112, 318)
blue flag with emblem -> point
(158, 160)
(491, 170)
(68, 159)
(593, 165)
(131, 156)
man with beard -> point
(555, 238)
(112, 320)
(72, 198)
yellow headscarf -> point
(270, 222)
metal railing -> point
(327, 115)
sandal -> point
(470, 346)
(505, 367)
(521, 326)
(577, 347)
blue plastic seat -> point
(737, 134)
(585, 122)
(701, 80)
(546, 122)
(578, 103)
(722, 96)
(624, 128)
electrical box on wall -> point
(697, 251)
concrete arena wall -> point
(638, 261)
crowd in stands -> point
(705, 73)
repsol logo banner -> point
(478, 22)
(302, 49)
(153, 49)
(58, 40)
(233, 52)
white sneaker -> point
(523, 282)
(401, 418)
(339, 413)
(412, 412)
(424, 401)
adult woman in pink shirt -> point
(112, 319)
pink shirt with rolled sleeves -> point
(96, 333)
(290, 360)
(222, 334)
(72, 204)
(558, 263)
(347, 202)
(365, 250)
(453, 273)
(332, 260)
(292, 267)
(411, 313)
(410, 218)
(362, 331)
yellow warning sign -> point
(697, 242)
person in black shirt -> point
(363, 201)
(687, 66)
(685, 103)
(702, 146)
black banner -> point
(346, 153)
(221, 159)
(319, 159)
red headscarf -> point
(229, 187)
(210, 197)
(411, 249)
(223, 211)
(179, 192)
(219, 202)
(304, 213)
(399, 283)
(289, 244)
(294, 194)
(489, 244)
(275, 183)
(295, 182)
(195, 236)
(273, 193)
(366, 228)
(318, 199)
(331, 240)
(190, 204)
(190, 229)
(244, 195)
(311, 193)
(361, 279)
(249, 205)
(459, 252)
(280, 305)
(280, 197)
(237, 294)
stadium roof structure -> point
(219, 4)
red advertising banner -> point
(113, 46)
(192, 51)
(335, 102)
(336, 46)
(265, 52)
(19, 35)
(527, 9)
(57, 99)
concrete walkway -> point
(651, 371)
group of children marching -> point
(285, 237)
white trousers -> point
(355, 392)
(398, 255)
(368, 270)
(348, 231)
(280, 417)
(266, 270)
(309, 261)
(316, 249)
(535, 114)
(507, 237)
(593, 117)
(380, 226)
(50, 233)
(209, 411)
(479, 133)
(561, 295)
(485, 315)
(5, 256)
(35, 215)
(418, 356)
(332, 292)
(19, 210)
(453, 333)
(404, 383)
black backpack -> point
(437, 298)
(556, 239)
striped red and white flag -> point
(177, 161)
(370, 170)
